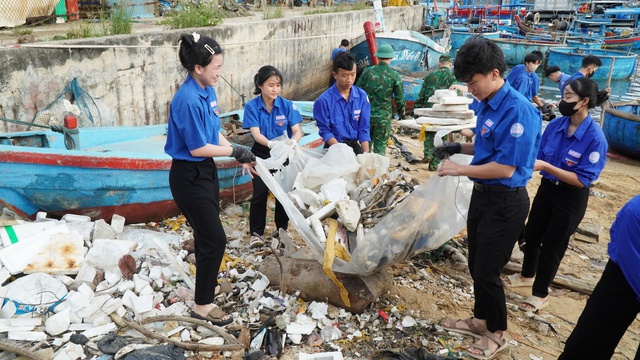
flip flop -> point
(484, 346)
(515, 281)
(472, 330)
(215, 317)
(535, 302)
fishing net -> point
(89, 111)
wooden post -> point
(604, 106)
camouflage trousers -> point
(380, 132)
(428, 151)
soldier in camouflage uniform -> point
(442, 78)
(381, 82)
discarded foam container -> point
(14, 233)
(334, 355)
(75, 218)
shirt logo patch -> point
(516, 130)
(569, 162)
(575, 154)
(294, 107)
(281, 119)
(489, 123)
(485, 130)
(213, 103)
(594, 157)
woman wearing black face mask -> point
(571, 156)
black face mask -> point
(567, 108)
(589, 75)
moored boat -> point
(621, 126)
(570, 59)
(516, 49)
(113, 170)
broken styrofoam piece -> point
(8, 310)
(27, 335)
(86, 274)
(100, 330)
(318, 309)
(318, 229)
(58, 323)
(105, 253)
(139, 304)
(15, 233)
(443, 93)
(117, 223)
(307, 197)
(408, 321)
(334, 190)
(19, 324)
(81, 298)
(349, 213)
(31, 291)
(75, 218)
(323, 213)
(302, 325)
(62, 254)
(260, 283)
(18, 255)
(450, 107)
(102, 230)
(333, 355)
(93, 307)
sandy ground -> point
(618, 183)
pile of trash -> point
(75, 289)
(382, 217)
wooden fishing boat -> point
(621, 126)
(414, 52)
(112, 170)
(460, 34)
(570, 59)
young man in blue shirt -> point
(554, 74)
(344, 45)
(524, 79)
(343, 111)
(590, 64)
(504, 153)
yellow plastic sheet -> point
(329, 253)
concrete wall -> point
(137, 75)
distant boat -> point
(115, 170)
(570, 59)
(460, 34)
(621, 126)
(516, 49)
(414, 52)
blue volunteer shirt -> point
(584, 152)
(193, 120)
(570, 79)
(336, 51)
(624, 248)
(341, 119)
(524, 82)
(507, 132)
(563, 80)
(282, 117)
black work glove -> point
(447, 149)
(242, 154)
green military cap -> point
(445, 57)
(385, 52)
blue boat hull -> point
(414, 52)
(121, 170)
(516, 49)
(458, 38)
(621, 126)
(569, 60)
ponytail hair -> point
(263, 75)
(197, 50)
(587, 88)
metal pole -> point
(604, 106)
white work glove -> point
(271, 144)
(291, 142)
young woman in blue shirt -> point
(268, 116)
(193, 140)
(572, 154)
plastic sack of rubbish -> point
(431, 215)
(285, 172)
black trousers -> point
(353, 144)
(258, 210)
(611, 308)
(195, 189)
(555, 215)
(494, 222)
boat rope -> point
(69, 142)
(242, 96)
